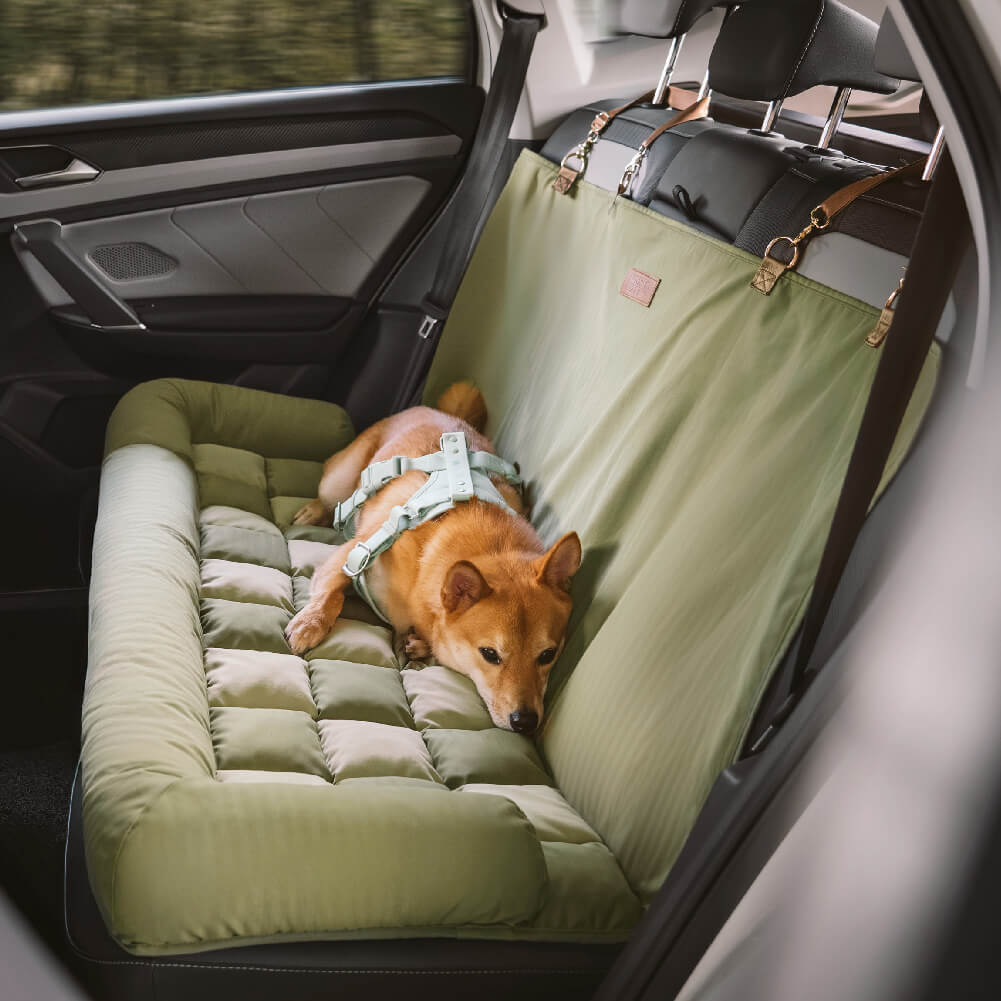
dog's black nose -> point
(524, 721)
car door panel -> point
(249, 237)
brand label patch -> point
(639, 286)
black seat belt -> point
(942, 238)
(479, 189)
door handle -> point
(76, 171)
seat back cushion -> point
(697, 444)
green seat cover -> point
(236, 793)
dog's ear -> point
(557, 567)
(464, 586)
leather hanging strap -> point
(772, 268)
(700, 109)
(569, 174)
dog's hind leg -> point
(341, 473)
(326, 600)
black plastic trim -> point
(111, 349)
(439, 170)
(441, 99)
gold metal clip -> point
(772, 268)
(632, 169)
(885, 321)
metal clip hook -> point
(632, 169)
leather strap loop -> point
(700, 109)
(568, 175)
(773, 268)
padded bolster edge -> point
(209, 862)
(145, 711)
(176, 413)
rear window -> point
(67, 52)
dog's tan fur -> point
(476, 578)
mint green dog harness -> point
(455, 474)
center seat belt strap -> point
(942, 238)
(478, 190)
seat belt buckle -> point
(433, 315)
(460, 477)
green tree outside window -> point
(64, 52)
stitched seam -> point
(340, 227)
(208, 253)
(253, 222)
(891, 205)
(240, 528)
(806, 48)
(799, 173)
(677, 20)
(331, 969)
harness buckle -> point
(366, 558)
(389, 470)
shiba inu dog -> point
(474, 587)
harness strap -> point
(454, 475)
(700, 109)
(378, 474)
(773, 268)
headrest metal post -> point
(835, 118)
(935, 155)
(704, 89)
(667, 72)
(771, 116)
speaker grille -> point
(128, 262)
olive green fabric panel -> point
(212, 862)
(698, 446)
(177, 414)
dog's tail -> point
(465, 401)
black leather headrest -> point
(769, 50)
(892, 57)
(664, 18)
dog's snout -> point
(524, 721)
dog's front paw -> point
(306, 630)
(416, 648)
(313, 513)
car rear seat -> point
(246, 460)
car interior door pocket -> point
(43, 240)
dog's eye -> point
(490, 655)
(547, 656)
